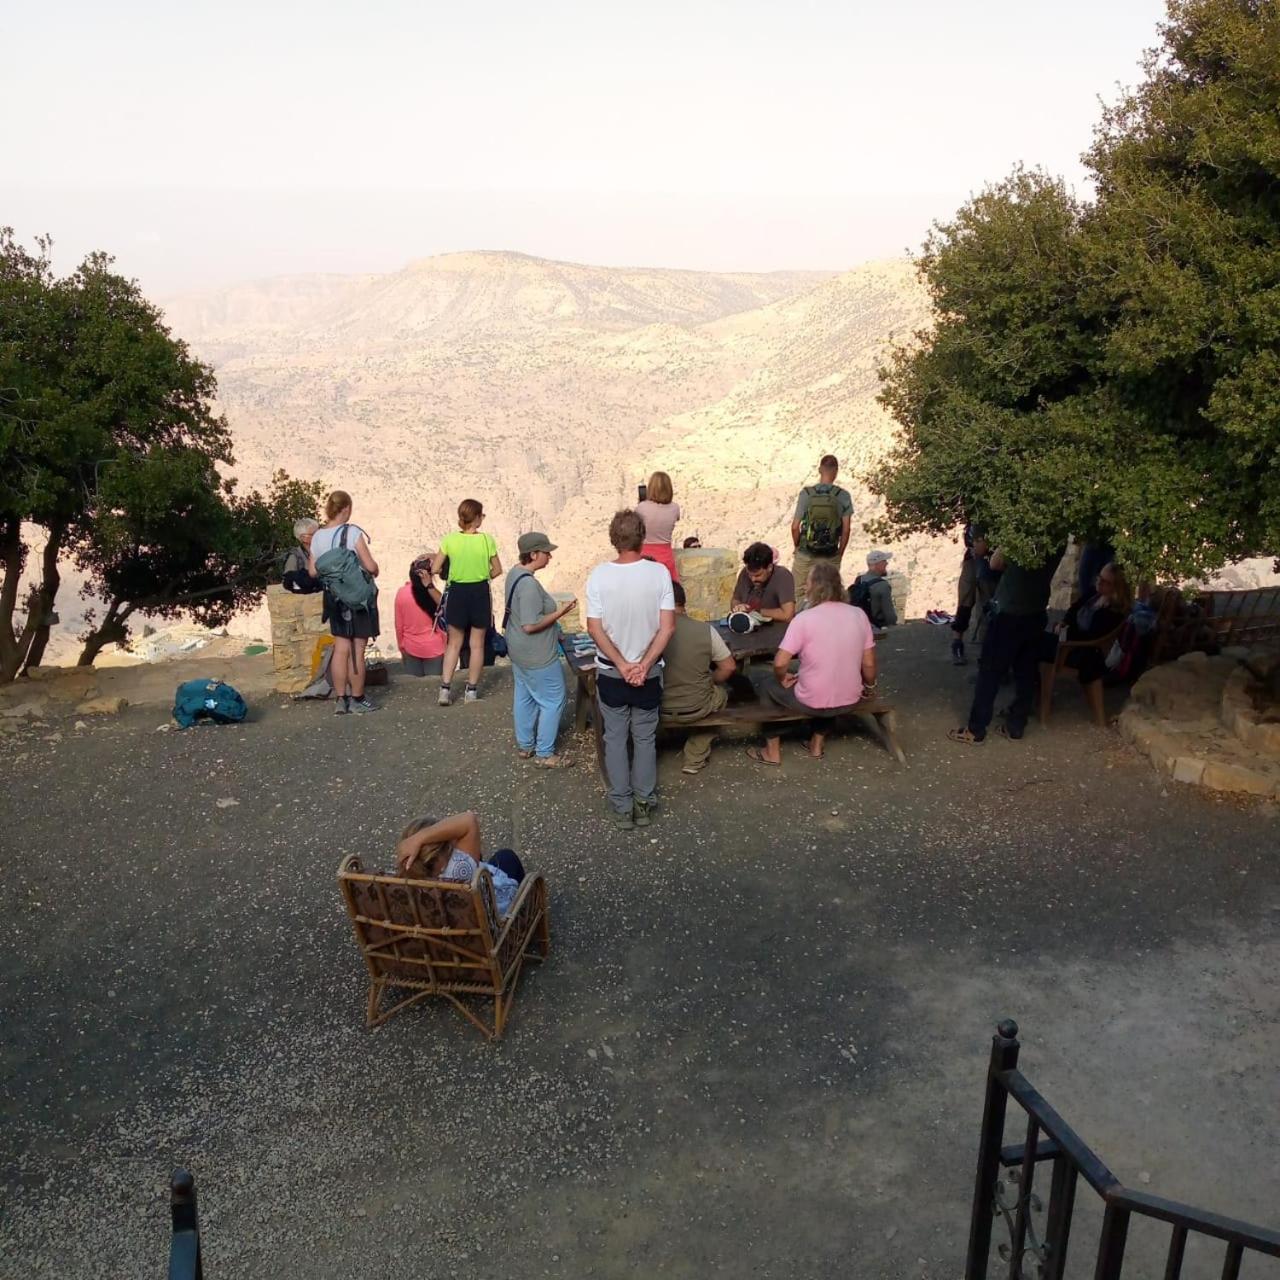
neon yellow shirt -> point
(469, 555)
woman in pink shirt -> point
(837, 656)
(659, 514)
(420, 641)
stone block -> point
(1220, 775)
(573, 620)
(708, 575)
(295, 628)
(107, 705)
(1188, 769)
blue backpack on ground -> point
(207, 700)
(344, 577)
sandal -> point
(523, 754)
(965, 736)
(753, 753)
(809, 752)
(556, 762)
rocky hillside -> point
(549, 389)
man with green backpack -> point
(820, 527)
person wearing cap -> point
(879, 595)
(533, 647)
(420, 634)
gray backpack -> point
(344, 577)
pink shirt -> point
(829, 639)
(659, 519)
(414, 635)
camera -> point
(643, 490)
(743, 624)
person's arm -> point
(997, 562)
(666, 629)
(548, 619)
(437, 562)
(723, 670)
(401, 618)
(365, 556)
(781, 663)
(845, 525)
(459, 830)
(495, 567)
(868, 669)
(795, 532)
(783, 613)
(884, 593)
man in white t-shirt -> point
(630, 616)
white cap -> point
(876, 557)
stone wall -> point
(708, 575)
(295, 628)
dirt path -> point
(758, 1046)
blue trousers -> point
(539, 699)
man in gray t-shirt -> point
(821, 524)
(531, 628)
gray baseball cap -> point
(528, 543)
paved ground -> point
(758, 1047)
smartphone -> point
(643, 491)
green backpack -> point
(820, 533)
(344, 577)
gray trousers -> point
(631, 776)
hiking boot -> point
(624, 821)
(640, 814)
(444, 700)
(362, 704)
(341, 707)
(472, 694)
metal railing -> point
(1049, 1139)
(184, 1248)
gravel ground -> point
(758, 1046)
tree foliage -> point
(1111, 368)
(111, 447)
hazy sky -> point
(208, 143)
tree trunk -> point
(112, 630)
(12, 555)
(41, 602)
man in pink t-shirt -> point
(837, 655)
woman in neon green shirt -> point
(473, 561)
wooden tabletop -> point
(763, 642)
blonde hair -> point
(659, 488)
(824, 584)
(432, 858)
(336, 503)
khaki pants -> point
(697, 746)
(800, 567)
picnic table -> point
(744, 708)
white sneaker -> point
(472, 694)
(444, 700)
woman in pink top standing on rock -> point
(659, 514)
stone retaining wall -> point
(295, 628)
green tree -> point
(104, 416)
(1111, 368)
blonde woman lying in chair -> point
(449, 849)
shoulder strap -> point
(342, 536)
(512, 583)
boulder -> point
(108, 705)
(295, 629)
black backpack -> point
(860, 595)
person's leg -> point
(357, 666)
(451, 651)
(477, 656)
(992, 664)
(817, 738)
(615, 725)
(507, 861)
(772, 750)
(1026, 672)
(340, 667)
(644, 756)
(524, 709)
(548, 694)
(697, 751)
(801, 563)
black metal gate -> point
(1049, 1139)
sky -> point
(207, 144)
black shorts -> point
(470, 605)
(352, 624)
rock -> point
(80, 724)
(24, 710)
(226, 803)
(1220, 775)
(708, 575)
(297, 637)
(107, 705)
(1188, 769)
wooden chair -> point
(444, 938)
(1050, 671)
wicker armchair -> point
(444, 938)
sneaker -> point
(640, 814)
(623, 821)
(472, 694)
(692, 769)
(342, 707)
(362, 704)
(444, 700)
